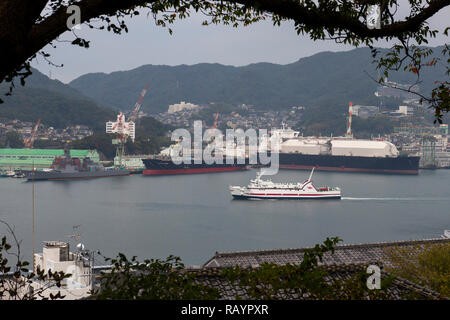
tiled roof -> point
(213, 278)
(346, 262)
(399, 289)
(344, 254)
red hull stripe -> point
(295, 166)
(191, 171)
(279, 194)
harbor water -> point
(193, 216)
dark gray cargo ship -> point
(397, 165)
(68, 168)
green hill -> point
(326, 78)
(55, 103)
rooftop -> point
(38, 152)
(344, 254)
(399, 288)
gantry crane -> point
(125, 129)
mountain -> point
(55, 103)
(326, 78)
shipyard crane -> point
(349, 126)
(124, 129)
(29, 141)
(138, 104)
(214, 126)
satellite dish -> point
(80, 247)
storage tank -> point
(305, 146)
(363, 148)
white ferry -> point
(266, 189)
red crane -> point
(138, 104)
(214, 126)
(29, 141)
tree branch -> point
(296, 11)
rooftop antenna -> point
(76, 236)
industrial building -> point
(181, 106)
(131, 162)
(25, 159)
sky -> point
(191, 43)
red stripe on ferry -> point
(279, 194)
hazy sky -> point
(191, 43)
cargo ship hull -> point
(166, 167)
(387, 165)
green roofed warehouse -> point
(25, 159)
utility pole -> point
(32, 212)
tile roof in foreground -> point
(344, 254)
(345, 263)
(399, 288)
(347, 260)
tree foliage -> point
(37, 23)
(153, 279)
(11, 139)
(167, 279)
(429, 268)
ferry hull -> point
(246, 193)
(305, 197)
(266, 189)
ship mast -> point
(310, 176)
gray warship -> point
(68, 168)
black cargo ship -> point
(167, 166)
(389, 165)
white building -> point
(181, 106)
(56, 257)
(131, 162)
(365, 111)
(405, 110)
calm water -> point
(193, 216)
